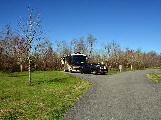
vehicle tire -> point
(71, 71)
(95, 72)
(81, 71)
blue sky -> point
(132, 23)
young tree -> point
(32, 31)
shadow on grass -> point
(12, 75)
(51, 81)
(13, 115)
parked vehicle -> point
(94, 68)
(73, 62)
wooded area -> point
(14, 53)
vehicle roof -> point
(78, 54)
(94, 63)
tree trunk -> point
(29, 72)
(21, 67)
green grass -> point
(155, 77)
(154, 67)
(50, 96)
(111, 72)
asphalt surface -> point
(124, 96)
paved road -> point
(124, 96)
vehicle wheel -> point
(71, 71)
(95, 72)
(81, 71)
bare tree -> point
(91, 40)
(40, 54)
(32, 31)
(112, 53)
(79, 45)
(20, 50)
(63, 48)
(7, 48)
(153, 59)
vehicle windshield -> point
(78, 60)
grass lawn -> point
(52, 93)
(155, 77)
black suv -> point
(94, 68)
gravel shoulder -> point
(124, 96)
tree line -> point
(14, 53)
